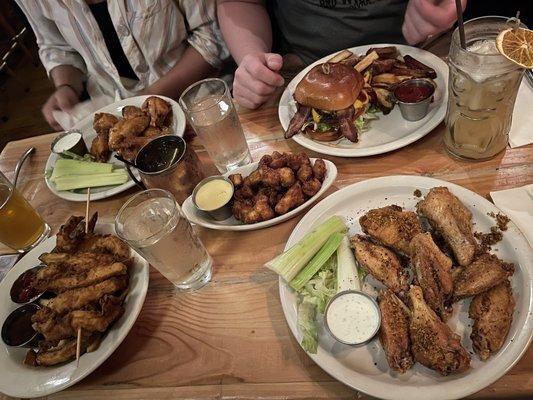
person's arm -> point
(424, 18)
(246, 28)
(64, 65)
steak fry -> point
(452, 219)
(77, 298)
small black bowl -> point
(17, 330)
(22, 288)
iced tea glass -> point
(152, 223)
(212, 114)
(483, 86)
(21, 226)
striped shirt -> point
(153, 33)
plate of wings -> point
(456, 315)
(122, 128)
(93, 282)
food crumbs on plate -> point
(501, 219)
(486, 240)
(417, 193)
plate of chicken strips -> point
(343, 104)
(268, 192)
(453, 282)
(92, 283)
(121, 128)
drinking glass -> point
(151, 222)
(212, 114)
(483, 86)
(21, 226)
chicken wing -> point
(319, 169)
(103, 122)
(291, 199)
(434, 345)
(132, 112)
(433, 272)
(125, 130)
(484, 273)
(492, 312)
(394, 331)
(452, 220)
(381, 263)
(158, 109)
(391, 226)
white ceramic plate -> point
(389, 132)
(232, 224)
(365, 368)
(85, 126)
(18, 380)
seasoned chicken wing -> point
(452, 220)
(158, 109)
(492, 312)
(319, 169)
(125, 130)
(132, 112)
(100, 147)
(433, 272)
(391, 226)
(381, 263)
(103, 122)
(434, 345)
(484, 273)
(394, 331)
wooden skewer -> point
(78, 348)
(78, 342)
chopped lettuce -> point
(307, 325)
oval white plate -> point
(232, 224)
(389, 132)
(86, 127)
(365, 368)
(18, 380)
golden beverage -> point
(483, 86)
(20, 225)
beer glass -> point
(212, 114)
(21, 226)
(483, 86)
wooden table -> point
(230, 339)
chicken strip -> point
(434, 345)
(61, 263)
(484, 273)
(158, 109)
(381, 263)
(109, 244)
(391, 226)
(97, 321)
(73, 232)
(452, 220)
(62, 352)
(77, 298)
(52, 326)
(394, 331)
(492, 312)
(433, 272)
(293, 198)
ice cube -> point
(484, 46)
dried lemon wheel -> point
(516, 44)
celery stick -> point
(70, 182)
(64, 167)
(320, 258)
(347, 276)
(289, 263)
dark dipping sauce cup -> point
(413, 97)
(17, 330)
(23, 290)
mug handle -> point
(134, 178)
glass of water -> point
(152, 223)
(212, 114)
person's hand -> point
(64, 98)
(424, 18)
(257, 78)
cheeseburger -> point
(325, 99)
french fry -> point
(389, 78)
(365, 62)
(342, 55)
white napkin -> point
(68, 119)
(517, 204)
(522, 127)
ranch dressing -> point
(352, 318)
(213, 194)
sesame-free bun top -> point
(329, 87)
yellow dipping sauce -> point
(213, 194)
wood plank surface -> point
(230, 339)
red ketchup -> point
(413, 93)
(23, 290)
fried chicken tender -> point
(381, 263)
(293, 198)
(97, 321)
(391, 226)
(52, 326)
(54, 353)
(311, 187)
(103, 122)
(73, 232)
(434, 345)
(484, 273)
(132, 112)
(492, 312)
(125, 130)
(433, 272)
(394, 331)
(452, 219)
(319, 169)
(158, 109)
(105, 244)
(237, 180)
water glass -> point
(211, 112)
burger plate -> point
(389, 132)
